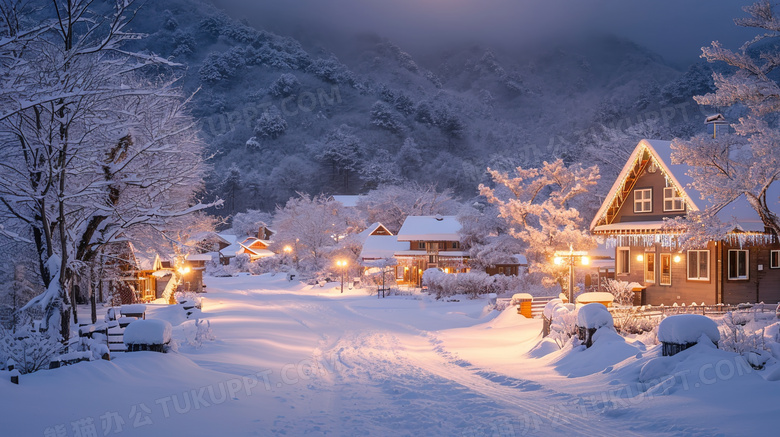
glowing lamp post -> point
(343, 266)
(570, 257)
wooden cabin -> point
(255, 248)
(432, 242)
(742, 266)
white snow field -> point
(291, 359)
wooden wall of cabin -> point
(656, 181)
(681, 290)
(761, 286)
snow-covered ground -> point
(292, 359)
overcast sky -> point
(676, 29)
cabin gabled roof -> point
(737, 212)
(644, 155)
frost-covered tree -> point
(746, 162)
(286, 85)
(485, 235)
(91, 150)
(247, 224)
(343, 151)
(312, 227)
(409, 159)
(391, 204)
(537, 204)
(230, 188)
(385, 117)
(271, 124)
(380, 169)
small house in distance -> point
(743, 265)
(378, 244)
(513, 266)
(431, 242)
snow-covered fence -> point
(660, 311)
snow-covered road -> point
(289, 359)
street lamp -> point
(343, 266)
(570, 257)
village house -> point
(742, 266)
(378, 245)
(431, 242)
(255, 247)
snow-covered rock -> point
(687, 328)
(151, 331)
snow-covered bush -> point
(472, 284)
(201, 333)
(621, 290)
(31, 350)
(629, 321)
(241, 262)
(743, 334)
(564, 323)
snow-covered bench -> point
(148, 335)
(679, 332)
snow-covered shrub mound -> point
(550, 307)
(591, 318)
(147, 335)
(594, 316)
(682, 331)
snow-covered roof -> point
(249, 241)
(443, 254)
(199, 257)
(232, 250)
(381, 246)
(347, 200)
(738, 211)
(228, 238)
(374, 227)
(258, 253)
(430, 228)
(521, 259)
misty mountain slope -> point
(281, 117)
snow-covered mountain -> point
(281, 116)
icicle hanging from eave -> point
(743, 239)
(647, 240)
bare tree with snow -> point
(747, 161)
(92, 150)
